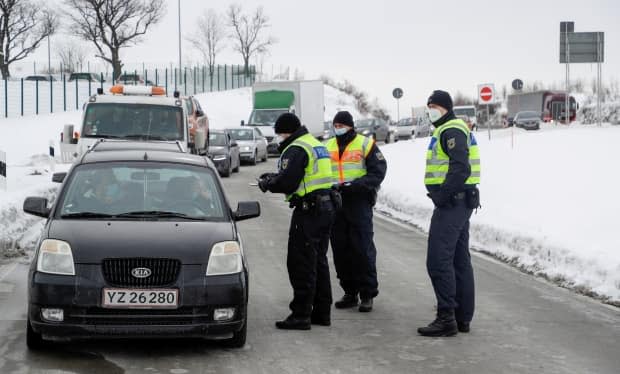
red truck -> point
(550, 104)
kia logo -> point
(141, 272)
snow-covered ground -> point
(549, 203)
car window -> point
(242, 134)
(217, 139)
(122, 188)
(188, 106)
(115, 120)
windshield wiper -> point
(87, 215)
(148, 137)
(158, 214)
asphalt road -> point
(522, 324)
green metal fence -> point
(53, 93)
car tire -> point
(239, 338)
(34, 341)
(265, 157)
(226, 173)
(236, 169)
(254, 159)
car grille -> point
(138, 317)
(118, 271)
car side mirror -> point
(199, 113)
(37, 206)
(247, 210)
(242, 123)
(58, 177)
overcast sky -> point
(416, 45)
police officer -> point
(358, 168)
(304, 176)
(452, 173)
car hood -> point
(246, 143)
(94, 240)
(217, 150)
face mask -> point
(340, 131)
(434, 114)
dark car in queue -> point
(529, 120)
(139, 243)
(374, 128)
(224, 152)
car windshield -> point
(405, 122)
(133, 121)
(528, 115)
(363, 123)
(142, 190)
(217, 139)
(470, 112)
(266, 117)
(242, 134)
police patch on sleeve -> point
(284, 164)
(451, 143)
(380, 156)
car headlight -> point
(219, 157)
(366, 132)
(55, 257)
(225, 258)
(247, 148)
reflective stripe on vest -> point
(318, 171)
(352, 163)
(437, 161)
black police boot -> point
(443, 325)
(462, 326)
(347, 301)
(294, 323)
(365, 305)
(321, 320)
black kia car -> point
(140, 242)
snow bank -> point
(549, 203)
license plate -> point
(131, 298)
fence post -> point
(101, 81)
(51, 95)
(218, 77)
(166, 81)
(36, 88)
(146, 77)
(225, 77)
(22, 96)
(185, 80)
(238, 76)
(156, 77)
(194, 69)
(203, 78)
(64, 92)
(89, 88)
(77, 91)
(6, 98)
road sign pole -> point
(599, 73)
(566, 107)
(488, 121)
(397, 110)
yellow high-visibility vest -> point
(318, 171)
(352, 164)
(437, 160)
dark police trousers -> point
(448, 260)
(355, 254)
(306, 261)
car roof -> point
(120, 150)
(136, 99)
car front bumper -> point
(221, 165)
(84, 317)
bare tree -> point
(71, 55)
(208, 39)
(24, 24)
(114, 24)
(247, 32)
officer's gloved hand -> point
(262, 184)
(267, 176)
(349, 188)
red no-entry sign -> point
(486, 93)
